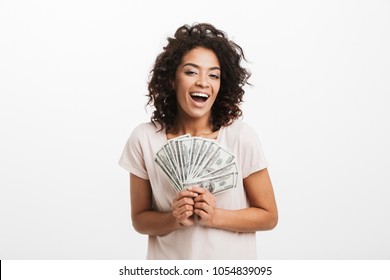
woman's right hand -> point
(183, 208)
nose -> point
(202, 81)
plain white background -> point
(73, 77)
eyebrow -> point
(197, 66)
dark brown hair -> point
(233, 77)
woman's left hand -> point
(204, 205)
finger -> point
(208, 198)
(183, 208)
(186, 220)
(202, 214)
(186, 223)
(185, 193)
(183, 201)
(201, 197)
(184, 216)
(203, 206)
(197, 189)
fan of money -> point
(196, 161)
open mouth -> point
(199, 96)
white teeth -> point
(200, 94)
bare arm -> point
(261, 215)
(148, 221)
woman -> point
(196, 87)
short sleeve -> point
(251, 152)
(132, 158)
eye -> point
(214, 76)
(190, 72)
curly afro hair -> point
(233, 77)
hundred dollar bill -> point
(230, 168)
(203, 146)
(180, 137)
(196, 145)
(179, 159)
(173, 150)
(206, 155)
(178, 187)
(185, 147)
(200, 161)
(167, 158)
(216, 184)
(207, 148)
(218, 159)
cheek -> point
(180, 93)
(216, 88)
(180, 85)
(180, 90)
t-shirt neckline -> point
(218, 139)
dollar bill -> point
(165, 158)
(197, 147)
(189, 161)
(230, 168)
(218, 159)
(206, 155)
(216, 184)
(185, 147)
(174, 182)
(172, 147)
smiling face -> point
(197, 82)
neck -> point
(194, 127)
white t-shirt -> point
(196, 242)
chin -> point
(197, 114)
(194, 112)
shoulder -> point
(145, 130)
(239, 129)
(148, 127)
(241, 134)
